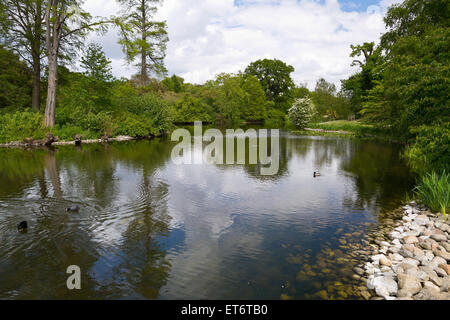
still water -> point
(150, 229)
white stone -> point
(383, 286)
(411, 261)
(376, 258)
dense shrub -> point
(68, 132)
(431, 149)
(190, 109)
(275, 118)
(15, 81)
(302, 112)
(129, 124)
(20, 125)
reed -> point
(434, 191)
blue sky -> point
(357, 5)
(346, 5)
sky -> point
(208, 37)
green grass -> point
(434, 191)
(354, 127)
(341, 125)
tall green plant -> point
(434, 191)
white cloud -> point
(212, 36)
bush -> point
(21, 125)
(275, 118)
(150, 108)
(430, 150)
(302, 112)
(132, 125)
(191, 109)
(434, 191)
(68, 132)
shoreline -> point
(409, 257)
(25, 145)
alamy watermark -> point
(74, 280)
(221, 149)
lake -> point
(151, 229)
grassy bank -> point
(355, 128)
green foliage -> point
(415, 88)
(357, 128)
(76, 89)
(430, 149)
(143, 37)
(414, 18)
(15, 81)
(231, 98)
(302, 112)
(275, 78)
(132, 125)
(191, 109)
(275, 118)
(434, 191)
(95, 63)
(21, 125)
(174, 84)
(68, 132)
(255, 101)
(152, 110)
(357, 87)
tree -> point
(191, 109)
(174, 83)
(324, 97)
(21, 29)
(15, 81)
(65, 22)
(357, 87)
(414, 88)
(367, 50)
(96, 64)
(230, 97)
(414, 18)
(255, 100)
(142, 36)
(302, 112)
(274, 76)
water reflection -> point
(150, 229)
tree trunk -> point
(36, 53)
(50, 108)
(143, 51)
(36, 99)
(143, 68)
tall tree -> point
(413, 89)
(357, 87)
(274, 76)
(255, 100)
(21, 27)
(143, 37)
(95, 63)
(414, 18)
(65, 23)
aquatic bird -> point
(73, 209)
(23, 226)
(317, 174)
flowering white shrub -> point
(301, 112)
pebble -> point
(413, 264)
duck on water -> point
(23, 226)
